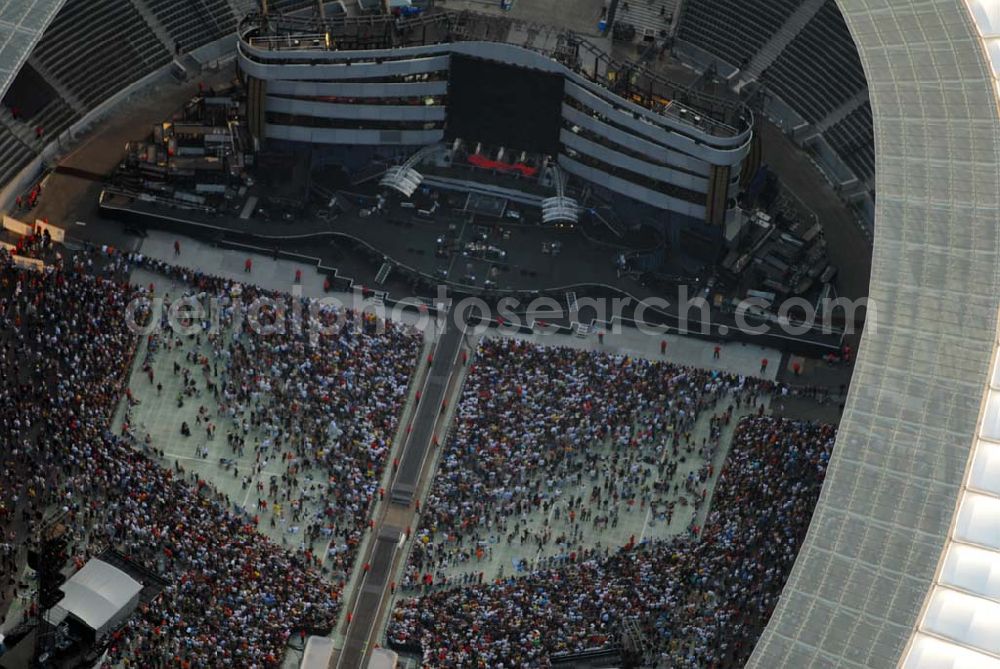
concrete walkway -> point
(444, 376)
(736, 358)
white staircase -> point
(646, 17)
(383, 273)
(774, 46)
(571, 303)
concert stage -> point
(402, 254)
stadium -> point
(513, 333)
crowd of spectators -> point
(572, 434)
(528, 418)
(233, 597)
(323, 409)
(527, 423)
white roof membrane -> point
(22, 23)
(901, 565)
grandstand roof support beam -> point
(169, 43)
(773, 48)
(237, 10)
(843, 111)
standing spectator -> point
(233, 598)
(699, 598)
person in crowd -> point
(233, 597)
(324, 410)
(529, 419)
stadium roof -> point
(859, 591)
(22, 23)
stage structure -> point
(515, 97)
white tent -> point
(100, 596)
(383, 658)
(318, 653)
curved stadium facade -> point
(901, 557)
(901, 563)
(430, 87)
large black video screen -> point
(504, 105)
